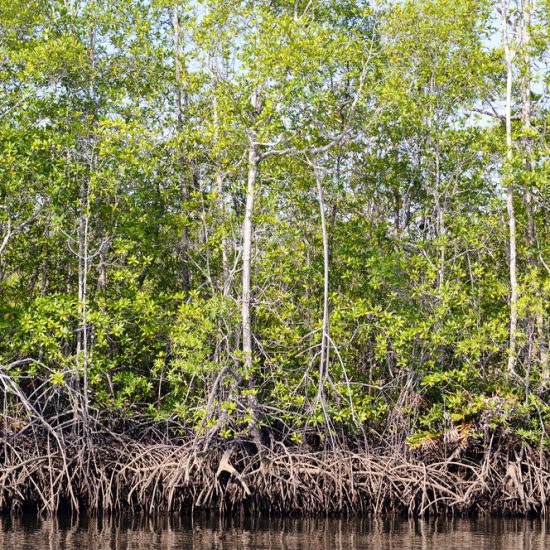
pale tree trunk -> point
(440, 222)
(223, 347)
(247, 255)
(246, 298)
(83, 259)
(325, 338)
(184, 191)
(221, 204)
(83, 351)
(509, 55)
(45, 270)
(225, 284)
(102, 270)
(225, 260)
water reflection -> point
(174, 532)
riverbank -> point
(140, 470)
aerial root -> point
(110, 472)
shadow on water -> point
(174, 532)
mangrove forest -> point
(275, 256)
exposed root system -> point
(50, 469)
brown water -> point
(170, 533)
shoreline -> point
(49, 470)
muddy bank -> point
(49, 469)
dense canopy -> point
(324, 216)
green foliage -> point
(123, 170)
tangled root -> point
(50, 469)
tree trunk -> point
(325, 338)
(247, 252)
(184, 191)
(510, 195)
(221, 204)
(246, 298)
(82, 334)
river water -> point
(174, 532)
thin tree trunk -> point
(247, 253)
(102, 270)
(253, 162)
(82, 337)
(325, 338)
(440, 223)
(510, 196)
(85, 351)
(221, 204)
(45, 270)
(184, 191)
